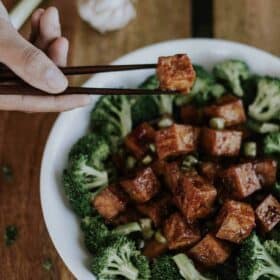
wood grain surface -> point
(23, 136)
(254, 22)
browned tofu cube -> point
(235, 221)
(110, 202)
(266, 171)
(175, 73)
(143, 187)
(191, 114)
(268, 213)
(156, 209)
(209, 170)
(172, 175)
(210, 251)
(176, 140)
(241, 180)
(136, 142)
(179, 233)
(221, 142)
(195, 197)
(229, 108)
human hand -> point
(35, 62)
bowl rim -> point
(60, 118)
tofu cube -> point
(172, 175)
(179, 233)
(210, 251)
(176, 140)
(221, 142)
(143, 186)
(191, 115)
(136, 142)
(209, 170)
(235, 221)
(156, 209)
(153, 249)
(110, 202)
(266, 171)
(229, 108)
(195, 197)
(176, 73)
(241, 180)
(268, 213)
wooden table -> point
(23, 136)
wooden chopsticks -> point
(19, 87)
(7, 75)
(28, 90)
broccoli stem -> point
(127, 228)
(122, 266)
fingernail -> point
(56, 81)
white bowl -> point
(62, 224)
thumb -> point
(28, 62)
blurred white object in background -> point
(21, 12)
(107, 15)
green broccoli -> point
(112, 117)
(95, 147)
(273, 248)
(205, 89)
(187, 268)
(95, 233)
(272, 143)
(120, 259)
(165, 268)
(266, 106)
(163, 103)
(255, 261)
(151, 82)
(78, 197)
(86, 174)
(144, 109)
(126, 229)
(233, 72)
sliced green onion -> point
(147, 230)
(147, 160)
(152, 147)
(165, 122)
(127, 228)
(189, 162)
(160, 238)
(250, 149)
(217, 123)
(130, 162)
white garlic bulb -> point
(106, 15)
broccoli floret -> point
(86, 174)
(254, 261)
(151, 82)
(187, 268)
(120, 259)
(144, 109)
(95, 233)
(273, 248)
(272, 143)
(205, 89)
(266, 105)
(112, 117)
(233, 73)
(78, 197)
(148, 107)
(165, 268)
(95, 147)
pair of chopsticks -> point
(7, 75)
